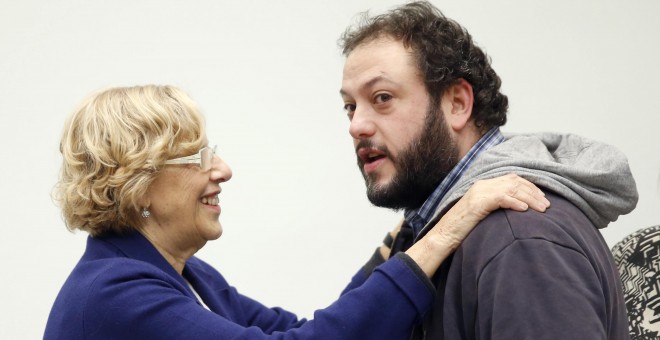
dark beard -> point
(419, 168)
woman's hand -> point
(508, 192)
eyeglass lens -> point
(206, 158)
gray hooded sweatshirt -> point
(592, 175)
(531, 275)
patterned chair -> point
(638, 259)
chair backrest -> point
(638, 259)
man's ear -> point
(457, 102)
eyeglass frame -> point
(195, 158)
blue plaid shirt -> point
(418, 218)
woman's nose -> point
(220, 171)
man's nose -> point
(362, 124)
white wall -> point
(266, 74)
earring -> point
(145, 213)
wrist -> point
(386, 248)
(430, 251)
(445, 239)
(385, 252)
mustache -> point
(369, 144)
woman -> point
(139, 176)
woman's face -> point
(184, 204)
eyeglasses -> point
(204, 158)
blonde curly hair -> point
(112, 147)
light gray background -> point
(267, 74)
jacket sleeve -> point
(537, 289)
(143, 305)
(361, 276)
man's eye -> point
(382, 97)
(349, 108)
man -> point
(425, 109)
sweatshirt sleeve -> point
(141, 304)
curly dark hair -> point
(444, 51)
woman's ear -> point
(457, 102)
(144, 202)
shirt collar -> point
(418, 218)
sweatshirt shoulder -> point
(563, 224)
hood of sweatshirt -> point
(592, 175)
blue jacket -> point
(122, 288)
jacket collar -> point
(135, 246)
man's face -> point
(403, 144)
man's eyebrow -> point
(370, 83)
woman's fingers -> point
(510, 192)
(523, 194)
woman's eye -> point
(349, 107)
(383, 97)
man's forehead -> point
(366, 82)
(378, 56)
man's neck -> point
(419, 218)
